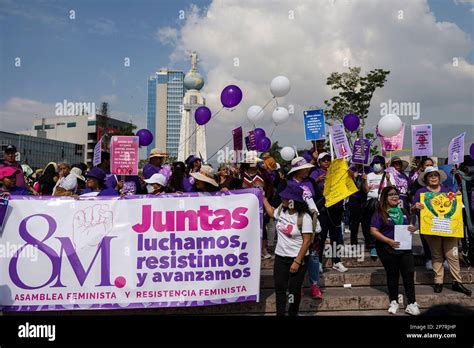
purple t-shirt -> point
(131, 185)
(149, 170)
(103, 192)
(388, 230)
(17, 191)
(424, 189)
(316, 174)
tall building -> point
(37, 152)
(193, 137)
(80, 129)
(165, 98)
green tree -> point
(355, 93)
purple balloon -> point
(471, 150)
(231, 96)
(259, 134)
(264, 144)
(202, 115)
(351, 122)
(145, 137)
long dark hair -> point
(46, 180)
(176, 180)
(383, 203)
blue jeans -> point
(313, 267)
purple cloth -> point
(17, 191)
(131, 185)
(401, 182)
(149, 170)
(388, 230)
(187, 186)
(305, 184)
(424, 189)
(316, 174)
(104, 192)
(20, 178)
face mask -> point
(377, 167)
(149, 188)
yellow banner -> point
(442, 214)
(339, 184)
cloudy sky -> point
(426, 45)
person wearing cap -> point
(291, 253)
(48, 179)
(442, 248)
(330, 218)
(158, 182)
(8, 186)
(205, 180)
(253, 176)
(67, 182)
(95, 184)
(397, 178)
(155, 163)
(10, 161)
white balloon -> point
(255, 113)
(287, 153)
(280, 86)
(280, 115)
(390, 125)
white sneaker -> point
(446, 265)
(339, 267)
(429, 265)
(393, 307)
(413, 309)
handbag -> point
(371, 204)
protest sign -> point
(339, 141)
(314, 125)
(422, 140)
(136, 252)
(124, 155)
(359, 156)
(237, 135)
(339, 184)
(442, 214)
(392, 143)
(456, 149)
(97, 159)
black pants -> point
(395, 263)
(284, 280)
(358, 216)
(330, 221)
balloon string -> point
(273, 131)
(263, 108)
(197, 127)
(208, 159)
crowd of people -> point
(294, 207)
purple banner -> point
(253, 141)
(3, 211)
(422, 140)
(237, 134)
(359, 156)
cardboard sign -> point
(124, 155)
(339, 141)
(422, 140)
(314, 125)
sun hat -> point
(5, 172)
(157, 178)
(398, 159)
(251, 157)
(442, 175)
(206, 174)
(299, 163)
(293, 192)
(156, 152)
(322, 155)
(95, 173)
(77, 172)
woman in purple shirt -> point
(396, 262)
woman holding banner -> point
(329, 218)
(441, 247)
(295, 228)
(395, 262)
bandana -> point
(396, 214)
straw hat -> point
(156, 152)
(299, 163)
(398, 159)
(206, 174)
(442, 175)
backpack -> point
(299, 222)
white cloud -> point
(468, 2)
(18, 113)
(418, 50)
(166, 35)
(102, 26)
